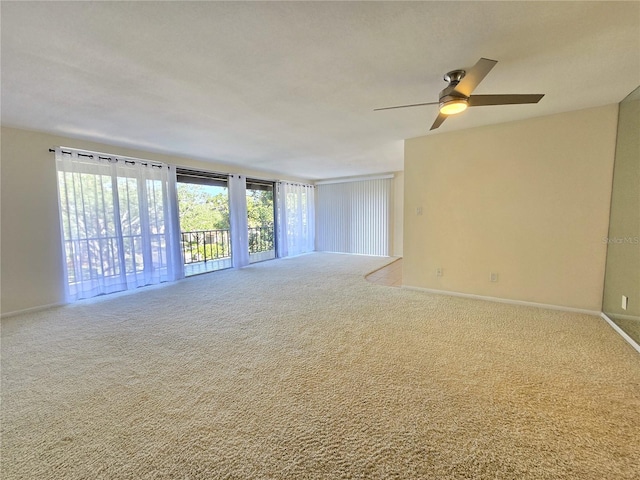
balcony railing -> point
(205, 245)
(261, 239)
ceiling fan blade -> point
(474, 76)
(484, 100)
(405, 106)
(439, 119)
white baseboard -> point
(624, 317)
(624, 334)
(31, 310)
(504, 300)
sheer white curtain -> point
(120, 225)
(238, 220)
(296, 219)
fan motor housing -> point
(449, 93)
(454, 76)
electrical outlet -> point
(625, 302)
(439, 272)
(418, 210)
(493, 277)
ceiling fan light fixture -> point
(453, 106)
(457, 96)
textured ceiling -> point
(290, 87)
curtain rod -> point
(296, 183)
(111, 159)
(178, 167)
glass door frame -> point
(272, 186)
(207, 241)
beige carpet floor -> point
(301, 369)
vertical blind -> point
(353, 217)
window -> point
(129, 222)
(260, 220)
(203, 201)
(118, 219)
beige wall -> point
(528, 200)
(397, 217)
(623, 257)
(30, 258)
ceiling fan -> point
(457, 96)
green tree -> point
(203, 207)
(259, 208)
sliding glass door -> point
(129, 222)
(261, 220)
(203, 203)
(204, 207)
(118, 221)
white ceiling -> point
(290, 87)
